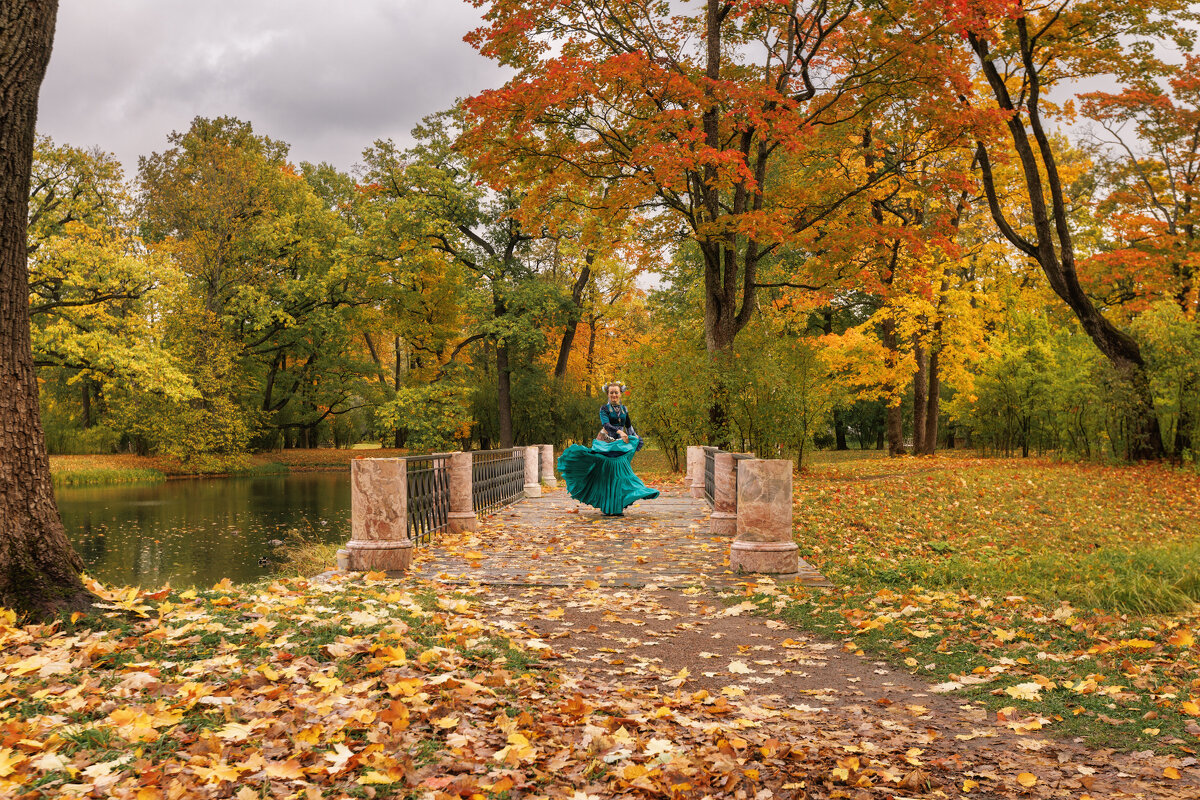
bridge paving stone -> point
(554, 540)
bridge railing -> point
(497, 478)
(398, 504)
(427, 487)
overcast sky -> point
(327, 77)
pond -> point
(195, 532)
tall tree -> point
(1023, 51)
(39, 572)
(728, 121)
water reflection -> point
(195, 532)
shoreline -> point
(74, 471)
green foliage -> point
(1171, 343)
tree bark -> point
(839, 430)
(564, 349)
(920, 396)
(39, 571)
(504, 395)
(894, 425)
(928, 444)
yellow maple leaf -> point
(289, 770)
(1182, 638)
(326, 683)
(1027, 779)
(1137, 644)
(9, 759)
(1190, 707)
(1025, 691)
(1171, 773)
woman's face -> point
(614, 395)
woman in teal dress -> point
(601, 475)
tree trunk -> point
(1053, 245)
(929, 444)
(85, 386)
(894, 425)
(504, 395)
(564, 349)
(839, 430)
(1185, 423)
(39, 571)
(920, 396)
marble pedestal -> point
(695, 463)
(379, 517)
(547, 456)
(533, 488)
(697, 483)
(764, 518)
(723, 520)
(462, 505)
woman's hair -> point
(614, 383)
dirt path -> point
(643, 607)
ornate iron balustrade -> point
(497, 478)
(428, 495)
(541, 467)
(710, 486)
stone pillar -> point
(548, 479)
(723, 521)
(462, 505)
(378, 517)
(697, 483)
(532, 487)
(764, 518)
(695, 462)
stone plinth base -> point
(723, 523)
(376, 556)
(533, 490)
(768, 557)
(547, 455)
(460, 521)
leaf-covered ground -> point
(1066, 590)
(577, 659)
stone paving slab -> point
(554, 540)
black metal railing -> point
(541, 476)
(497, 478)
(428, 495)
(710, 469)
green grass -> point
(106, 476)
(1023, 569)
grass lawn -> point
(1063, 594)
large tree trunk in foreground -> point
(39, 572)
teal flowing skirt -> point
(601, 475)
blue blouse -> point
(614, 419)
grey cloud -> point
(328, 78)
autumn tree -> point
(689, 115)
(269, 286)
(1149, 172)
(90, 281)
(39, 572)
(1023, 52)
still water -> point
(195, 532)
